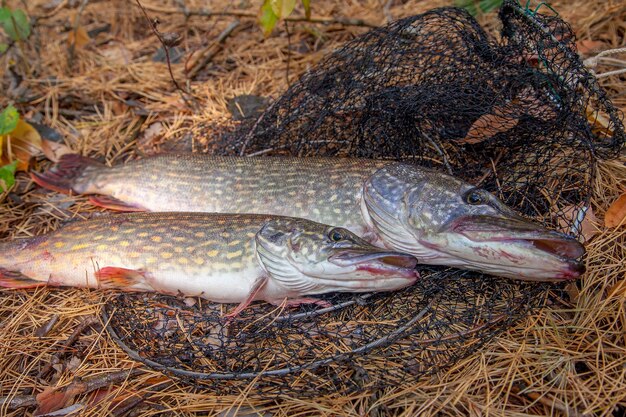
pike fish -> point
(235, 258)
(438, 218)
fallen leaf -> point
(79, 37)
(7, 176)
(21, 144)
(55, 398)
(487, 126)
(600, 123)
(616, 213)
(587, 46)
(54, 150)
(588, 226)
(117, 53)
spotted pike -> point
(223, 258)
(438, 218)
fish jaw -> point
(508, 247)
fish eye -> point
(474, 197)
(335, 235)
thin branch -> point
(207, 54)
(165, 44)
(88, 322)
(321, 20)
(78, 385)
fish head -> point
(443, 220)
(311, 258)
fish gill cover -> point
(519, 115)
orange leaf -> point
(588, 226)
(487, 126)
(616, 212)
(21, 144)
(587, 46)
(78, 37)
(55, 398)
(54, 150)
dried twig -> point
(167, 40)
(78, 386)
(207, 54)
(321, 20)
(88, 322)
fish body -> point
(223, 258)
(438, 218)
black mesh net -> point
(520, 116)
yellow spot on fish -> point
(212, 253)
(166, 255)
(102, 247)
(143, 234)
(133, 255)
(124, 243)
(251, 234)
(151, 260)
(236, 265)
(59, 244)
(178, 249)
(199, 234)
(198, 261)
(183, 261)
(231, 255)
(80, 246)
(179, 239)
(98, 237)
(225, 235)
(234, 243)
(156, 238)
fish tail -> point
(15, 280)
(70, 174)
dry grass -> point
(567, 360)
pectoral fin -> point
(256, 287)
(113, 203)
(15, 279)
(116, 277)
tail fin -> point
(15, 279)
(66, 174)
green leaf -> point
(307, 8)
(282, 8)
(3, 47)
(268, 18)
(7, 176)
(8, 120)
(15, 23)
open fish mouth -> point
(382, 263)
(527, 237)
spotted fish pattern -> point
(325, 190)
(225, 258)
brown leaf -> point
(79, 37)
(616, 212)
(21, 144)
(55, 398)
(54, 150)
(587, 46)
(487, 126)
(589, 225)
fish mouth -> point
(379, 263)
(526, 235)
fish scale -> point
(221, 257)
(319, 189)
(438, 218)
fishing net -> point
(519, 115)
